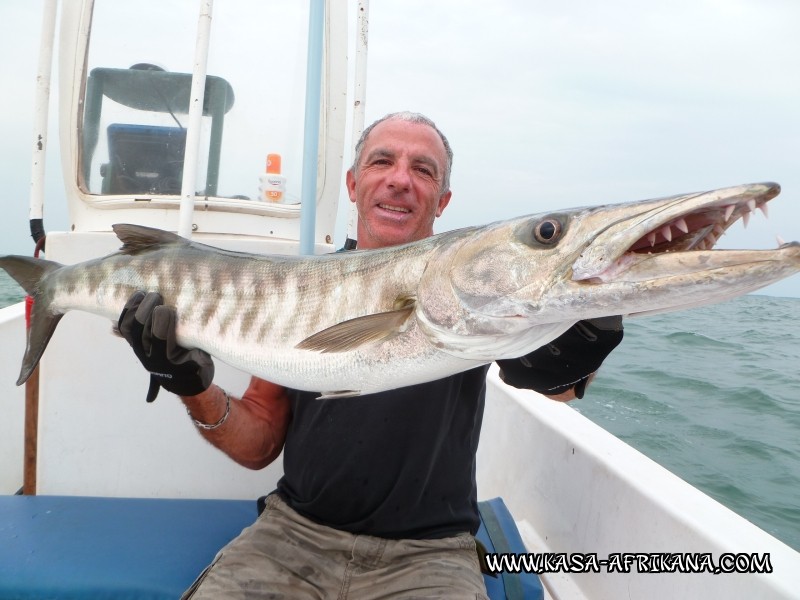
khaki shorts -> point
(285, 555)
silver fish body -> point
(366, 321)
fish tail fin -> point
(31, 274)
(28, 271)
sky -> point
(547, 104)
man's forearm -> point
(251, 435)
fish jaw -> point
(659, 257)
(679, 223)
(509, 269)
(669, 282)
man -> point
(378, 497)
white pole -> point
(308, 194)
(359, 104)
(188, 184)
(41, 108)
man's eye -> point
(425, 171)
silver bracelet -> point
(219, 423)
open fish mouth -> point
(687, 223)
(702, 228)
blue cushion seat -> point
(84, 547)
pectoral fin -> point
(354, 333)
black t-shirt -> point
(399, 464)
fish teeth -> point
(651, 237)
(763, 208)
(729, 211)
(781, 241)
(745, 218)
(718, 230)
(751, 204)
(711, 239)
(666, 231)
(681, 224)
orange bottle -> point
(272, 184)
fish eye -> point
(547, 231)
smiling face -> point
(397, 184)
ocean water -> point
(712, 394)
(10, 292)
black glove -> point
(149, 327)
(567, 361)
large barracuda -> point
(366, 321)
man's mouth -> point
(392, 208)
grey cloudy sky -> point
(546, 104)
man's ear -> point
(350, 182)
(443, 202)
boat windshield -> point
(136, 101)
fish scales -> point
(274, 311)
(324, 300)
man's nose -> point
(399, 177)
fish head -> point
(483, 288)
(535, 276)
(655, 256)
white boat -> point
(572, 488)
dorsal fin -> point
(136, 238)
